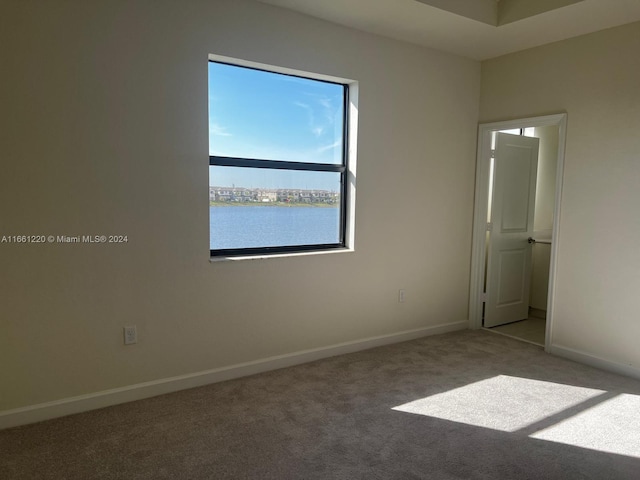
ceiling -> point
(477, 29)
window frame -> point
(342, 168)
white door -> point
(511, 224)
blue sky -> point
(256, 114)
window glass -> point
(277, 162)
(272, 116)
(256, 207)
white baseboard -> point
(593, 361)
(106, 398)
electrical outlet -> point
(130, 335)
(401, 295)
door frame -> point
(478, 252)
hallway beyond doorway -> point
(531, 330)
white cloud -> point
(218, 130)
(316, 127)
(336, 144)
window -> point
(278, 164)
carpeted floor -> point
(465, 405)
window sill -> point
(279, 255)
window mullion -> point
(273, 164)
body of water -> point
(266, 226)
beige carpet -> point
(466, 405)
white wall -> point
(103, 130)
(546, 180)
(543, 221)
(594, 79)
(540, 262)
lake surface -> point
(246, 227)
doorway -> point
(534, 240)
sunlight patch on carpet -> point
(502, 403)
(612, 426)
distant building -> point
(266, 196)
(263, 195)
